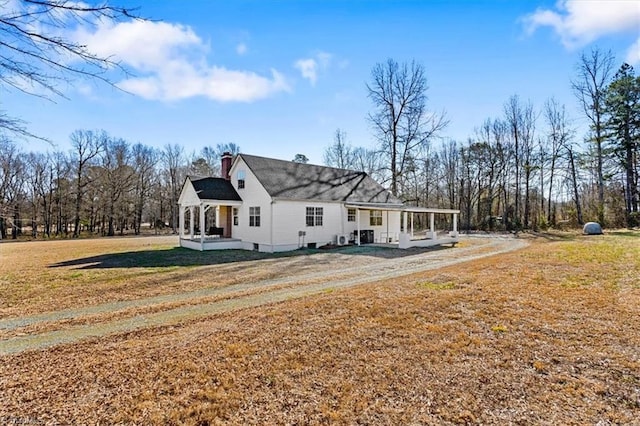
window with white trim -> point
(375, 217)
(235, 216)
(254, 216)
(240, 177)
(351, 215)
(314, 216)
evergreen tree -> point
(623, 124)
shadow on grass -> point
(624, 233)
(556, 235)
(577, 235)
(183, 257)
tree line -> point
(525, 169)
(104, 185)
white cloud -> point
(633, 54)
(171, 63)
(309, 67)
(579, 22)
(217, 83)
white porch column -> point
(192, 223)
(432, 225)
(218, 217)
(358, 226)
(386, 240)
(405, 217)
(201, 227)
(455, 224)
(411, 224)
(181, 221)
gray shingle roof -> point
(214, 188)
(296, 181)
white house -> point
(274, 205)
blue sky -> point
(279, 77)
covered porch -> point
(409, 238)
(405, 236)
(207, 231)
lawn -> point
(545, 335)
(48, 275)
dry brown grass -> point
(547, 335)
(53, 275)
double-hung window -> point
(254, 216)
(375, 217)
(235, 216)
(351, 215)
(240, 179)
(314, 216)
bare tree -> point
(528, 157)
(559, 133)
(574, 178)
(450, 164)
(144, 159)
(37, 165)
(61, 175)
(340, 153)
(470, 177)
(521, 121)
(207, 163)
(401, 121)
(173, 159)
(368, 161)
(39, 52)
(503, 154)
(11, 172)
(489, 154)
(513, 113)
(590, 87)
(118, 177)
(86, 144)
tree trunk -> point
(574, 179)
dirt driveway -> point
(293, 279)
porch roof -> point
(399, 207)
(212, 188)
(208, 191)
(214, 202)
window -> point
(314, 216)
(240, 179)
(235, 216)
(254, 216)
(375, 217)
(351, 215)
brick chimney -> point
(226, 165)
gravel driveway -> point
(70, 325)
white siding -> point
(290, 221)
(253, 195)
(282, 221)
(188, 195)
(379, 232)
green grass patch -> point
(499, 328)
(429, 285)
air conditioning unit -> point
(342, 239)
